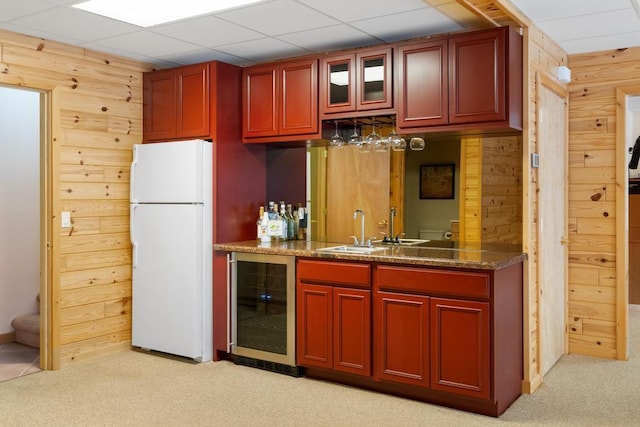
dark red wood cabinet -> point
(177, 103)
(280, 101)
(401, 338)
(448, 336)
(470, 80)
(333, 316)
(460, 347)
(423, 79)
(354, 83)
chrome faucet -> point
(391, 237)
(362, 240)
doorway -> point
(23, 247)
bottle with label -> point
(302, 223)
(275, 223)
(259, 224)
(290, 221)
(264, 228)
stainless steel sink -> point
(345, 249)
(403, 242)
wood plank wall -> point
(96, 117)
(491, 190)
(594, 284)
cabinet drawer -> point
(426, 281)
(339, 273)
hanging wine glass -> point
(336, 140)
(373, 137)
(355, 139)
(396, 141)
(416, 144)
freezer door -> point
(172, 280)
(171, 172)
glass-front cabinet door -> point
(374, 80)
(338, 85)
(357, 81)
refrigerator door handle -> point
(134, 163)
(132, 234)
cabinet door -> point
(193, 101)
(259, 92)
(352, 331)
(401, 328)
(460, 347)
(159, 105)
(314, 320)
(374, 84)
(478, 77)
(338, 84)
(423, 84)
(298, 97)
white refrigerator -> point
(171, 238)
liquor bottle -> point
(302, 219)
(290, 222)
(296, 222)
(259, 224)
(275, 223)
(264, 228)
(283, 218)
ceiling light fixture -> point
(147, 13)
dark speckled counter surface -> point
(444, 253)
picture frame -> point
(437, 181)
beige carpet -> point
(133, 388)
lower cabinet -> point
(334, 321)
(437, 335)
(460, 347)
(401, 325)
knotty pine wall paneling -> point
(95, 118)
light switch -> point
(65, 219)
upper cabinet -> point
(469, 80)
(355, 82)
(280, 101)
(176, 103)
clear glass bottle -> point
(259, 224)
(283, 218)
(290, 222)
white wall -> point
(634, 131)
(19, 204)
(430, 214)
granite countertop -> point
(441, 253)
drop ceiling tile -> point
(348, 11)
(208, 31)
(262, 50)
(596, 44)
(325, 39)
(147, 43)
(278, 17)
(205, 55)
(601, 24)
(119, 52)
(15, 9)
(76, 24)
(408, 25)
(41, 34)
(544, 10)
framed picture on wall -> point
(437, 181)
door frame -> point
(622, 221)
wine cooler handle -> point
(230, 308)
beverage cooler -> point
(263, 311)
